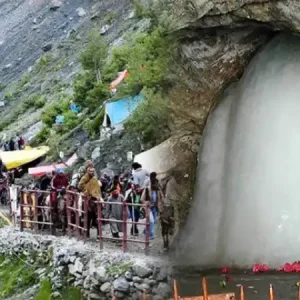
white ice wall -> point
(247, 201)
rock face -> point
(279, 14)
(217, 41)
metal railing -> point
(124, 239)
(39, 212)
(29, 211)
(76, 206)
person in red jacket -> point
(60, 181)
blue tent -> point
(59, 120)
(120, 110)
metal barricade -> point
(77, 214)
(30, 211)
(124, 239)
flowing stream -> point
(247, 199)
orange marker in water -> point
(204, 288)
(175, 291)
(271, 293)
(242, 294)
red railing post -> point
(68, 213)
(36, 211)
(124, 240)
(85, 217)
(21, 211)
(77, 216)
(147, 229)
(51, 210)
(99, 219)
(10, 203)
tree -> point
(94, 57)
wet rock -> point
(63, 26)
(55, 295)
(104, 29)
(47, 47)
(55, 4)
(142, 270)
(95, 297)
(80, 12)
(7, 67)
(100, 273)
(76, 268)
(142, 287)
(128, 275)
(95, 153)
(121, 284)
(119, 295)
(164, 290)
(157, 297)
(162, 274)
(137, 279)
(105, 287)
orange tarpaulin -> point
(121, 76)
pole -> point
(124, 240)
(147, 229)
(21, 211)
(69, 213)
(85, 217)
(99, 219)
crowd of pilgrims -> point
(135, 187)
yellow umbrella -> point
(15, 159)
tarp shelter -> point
(161, 158)
(120, 110)
(42, 170)
(15, 159)
(75, 108)
(59, 120)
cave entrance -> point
(246, 207)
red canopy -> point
(42, 170)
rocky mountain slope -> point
(39, 52)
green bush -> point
(138, 9)
(110, 18)
(41, 137)
(34, 101)
(88, 93)
(150, 119)
(45, 291)
(148, 57)
(2, 87)
(15, 275)
(71, 120)
(94, 57)
(8, 95)
(93, 126)
(51, 111)
(118, 62)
